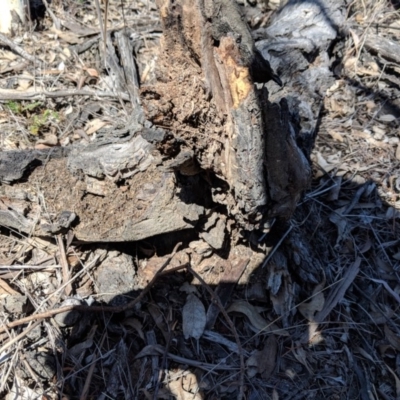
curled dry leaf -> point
(257, 322)
(193, 317)
(324, 164)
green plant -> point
(37, 117)
(19, 108)
(41, 120)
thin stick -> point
(10, 94)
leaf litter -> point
(318, 321)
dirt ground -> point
(314, 313)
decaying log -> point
(222, 136)
(209, 51)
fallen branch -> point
(9, 94)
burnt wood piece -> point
(14, 164)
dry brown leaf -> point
(327, 167)
(92, 72)
(256, 320)
(314, 337)
(355, 37)
(50, 57)
(66, 51)
(379, 132)
(8, 55)
(365, 354)
(50, 139)
(94, 125)
(193, 317)
(24, 81)
(41, 146)
(21, 391)
(367, 136)
(350, 63)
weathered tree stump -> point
(206, 134)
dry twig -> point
(9, 94)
